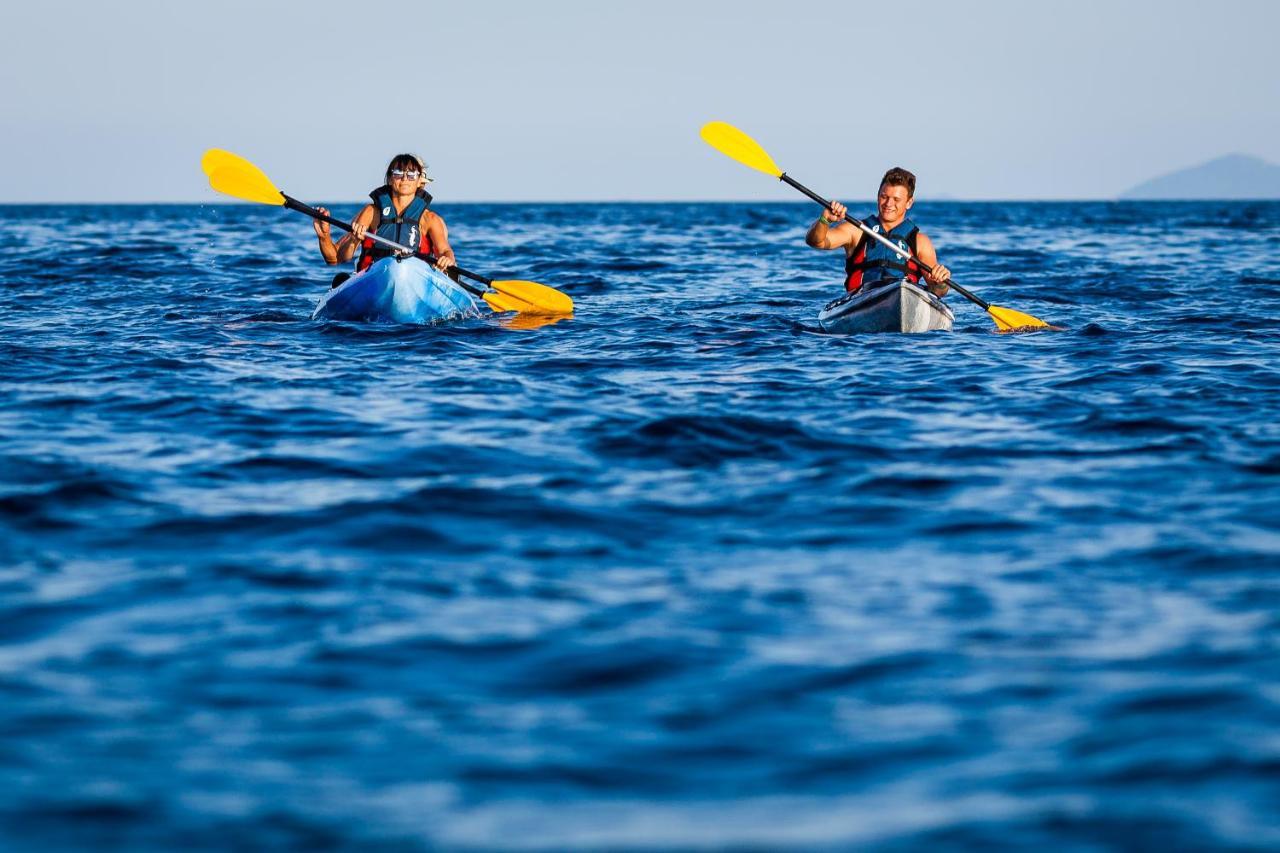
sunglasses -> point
(401, 173)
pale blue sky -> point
(594, 100)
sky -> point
(564, 100)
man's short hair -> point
(900, 177)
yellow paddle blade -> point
(731, 142)
(1009, 320)
(218, 158)
(245, 186)
(527, 322)
(528, 297)
(501, 304)
(237, 177)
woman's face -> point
(406, 178)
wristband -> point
(823, 219)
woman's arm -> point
(325, 238)
(366, 220)
(433, 225)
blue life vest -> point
(875, 262)
(403, 227)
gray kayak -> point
(895, 306)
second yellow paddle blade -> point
(528, 322)
(235, 176)
(501, 304)
(1009, 320)
(731, 142)
(528, 297)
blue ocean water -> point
(679, 572)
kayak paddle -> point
(237, 177)
(735, 144)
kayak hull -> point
(898, 306)
(397, 291)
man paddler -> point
(867, 260)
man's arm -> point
(830, 231)
(925, 252)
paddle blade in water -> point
(731, 142)
(1009, 320)
(527, 322)
(237, 177)
(528, 297)
(501, 304)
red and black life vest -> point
(873, 261)
(404, 227)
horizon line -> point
(938, 200)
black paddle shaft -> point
(826, 204)
(293, 204)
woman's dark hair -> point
(405, 162)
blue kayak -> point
(397, 291)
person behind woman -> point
(399, 212)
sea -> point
(680, 572)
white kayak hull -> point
(896, 306)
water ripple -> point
(680, 571)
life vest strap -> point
(391, 228)
(857, 265)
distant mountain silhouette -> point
(1232, 176)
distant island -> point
(1232, 176)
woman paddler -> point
(399, 212)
